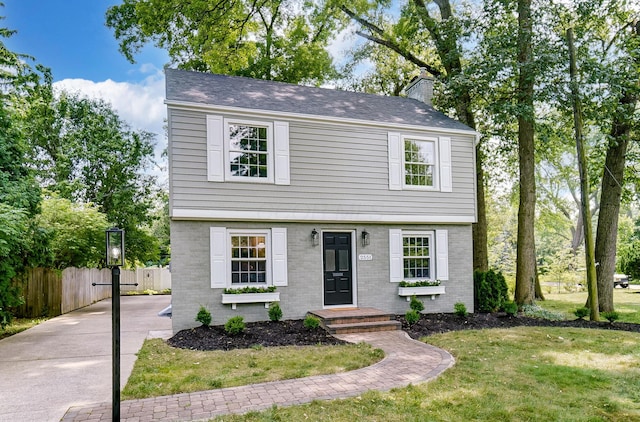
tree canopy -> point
(282, 40)
(83, 151)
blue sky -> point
(71, 38)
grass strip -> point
(161, 369)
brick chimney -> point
(421, 88)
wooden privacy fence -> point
(49, 292)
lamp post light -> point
(115, 259)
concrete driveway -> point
(66, 361)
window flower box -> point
(408, 289)
(235, 298)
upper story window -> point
(247, 151)
(419, 163)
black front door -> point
(338, 275)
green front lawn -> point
(626, 302)
(161, 369)
(519, 374)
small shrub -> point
(460, 309)
(511, 308)
(416, 304)
(311, 322)
(412, 316)
(275, 313)
(235, 325)
(611, 316)
(580, 313)
(204, 316)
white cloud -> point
(140, 104)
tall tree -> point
(607, 41)
(283, 40)
(84, 152)
(431, 38)
(19, 193)
(526, 254)
(623, 119)
(585, 211)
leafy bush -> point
(511, 308)
(611, 316)
(416, 304)
(460, 309)
(204, 316)
(275, 313)
(412, 316)
(235, 325)
(311, 322)
(491, 290)
(580, 313)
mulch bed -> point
(442, 323)
(266, 334)
(293, 332)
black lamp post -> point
(115, 259)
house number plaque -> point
(365, 257)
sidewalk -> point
(66, 361)
(407, 362)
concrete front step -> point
(363, 327)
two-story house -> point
(333, 197)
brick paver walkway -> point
(406, 362)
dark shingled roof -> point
(256, 94)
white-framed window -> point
(247, 150)
(419, 162)
(418, 255)
(248, 257)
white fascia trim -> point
(269, 114)
(286, 216)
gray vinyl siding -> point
(191, 273)
(334, 168)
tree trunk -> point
(607, 231)
(585, 211)
(611, 190)
(539, 295)
(526, 248)
(479, 231)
